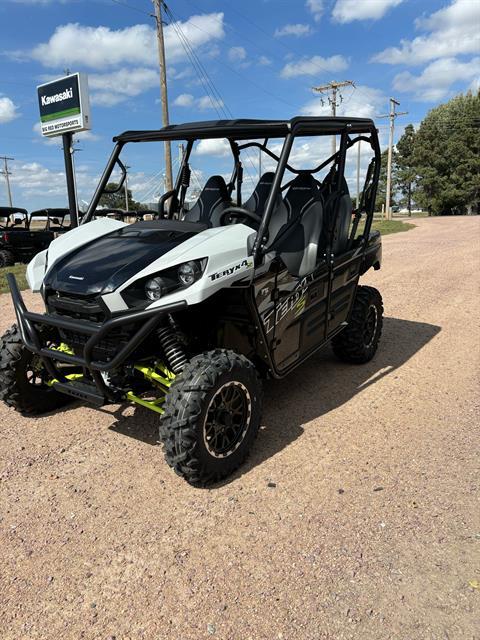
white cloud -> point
(184, 100)
(313, 66)
(237, 54)
(452, 30)
(349, 10)
(213, 147)
(316, 9)
(436, 79)
(297, 30)
(35, 179)
(264, 61)
(203, 103)
(363, 102)
(109, 89)
(209, 103)
(8, 110)
(100, 47)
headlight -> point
(189, 272)
(152, 288)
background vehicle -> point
(185, 314)
(23, 235)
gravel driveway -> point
(356, 516)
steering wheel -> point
(239, 212)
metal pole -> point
(334, 113)
(358, 172)
(67, 156)
(259, 163)
(126, 186)
(389, 158)
(163, 91)
(6, 173)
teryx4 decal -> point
(296, 303)
(231, 270)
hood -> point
(102, 265)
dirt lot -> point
(357, 516)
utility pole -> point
(392, 115)
(163, 90)
(333, 88)
(7, 173)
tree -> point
(117, 200)
(446, 157)
(406, 173)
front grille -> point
(89, 308)
(92, 310)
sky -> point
(262, 56)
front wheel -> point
(212, 416)
(23, 379)
(358, 342)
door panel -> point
(300, 314)
(345, 274)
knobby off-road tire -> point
(23, 379)
(217, 390)
(7, 259)
(358, 342)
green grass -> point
(391, 226)
(19, 271)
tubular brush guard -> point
(28, 322)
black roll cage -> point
(363, 129)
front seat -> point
(257, 201)
(299, 239)
(212, 201)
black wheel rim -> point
(370, 325)
(227, 419)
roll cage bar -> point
(234, 130)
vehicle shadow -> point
(320, 385)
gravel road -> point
(356, 516)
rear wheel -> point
(23, 379)
(358, 342)
(212, 416)
(7, 259)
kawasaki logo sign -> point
(64, 105)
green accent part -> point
(71, 376)
(64, 348)
(61, 114)
(151, 374)
(153, 405)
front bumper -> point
(29, 322)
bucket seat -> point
(212, 201)
(299, 239)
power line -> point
(333, 89)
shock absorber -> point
(174, 351)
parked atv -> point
(186, 314)
(24, 235)
(13, 222)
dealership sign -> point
(64, 105)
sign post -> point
(64, 109)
